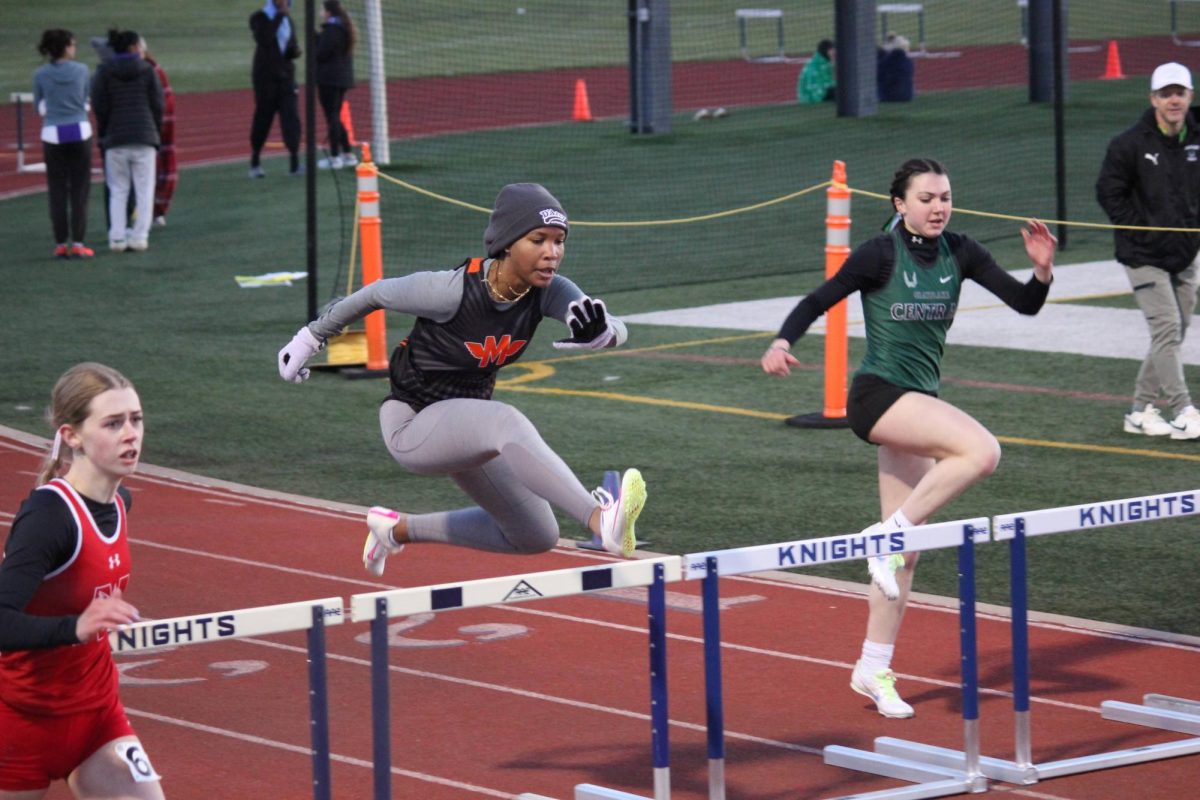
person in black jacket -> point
(127, 100)
(335, 76)
(274, 79)
(1151, 178)
(894, 70)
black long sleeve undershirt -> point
(41, 540)
(869, 267)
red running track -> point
(540, 696)
(214, 126)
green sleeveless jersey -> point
(908, 318)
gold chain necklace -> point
(508, 287)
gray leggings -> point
(495, 455)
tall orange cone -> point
(344, 116)
(583, 110)
(1112, 66)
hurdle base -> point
(817, 420)
(588, 791)
(1011, 772)
(360, 373)
(929, 780)
(1168, 713)
(993, 768)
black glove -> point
(590, 328)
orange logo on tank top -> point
(492, 350)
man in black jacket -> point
(274, 78)
(1151, 178)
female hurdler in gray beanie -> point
(519, 208)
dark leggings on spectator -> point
(331, 98)
(68, 182)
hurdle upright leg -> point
(714, 702)
(381, 715)
(318, 705)
(938, 772)
(659, 713)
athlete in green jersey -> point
(929, 451)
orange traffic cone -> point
(583, 110)
(346, 123)
(1112, 67)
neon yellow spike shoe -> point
(619, 514)
(880, 687)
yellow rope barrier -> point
(624, 224)
(775, 201)
(992, 215)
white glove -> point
(589, 324)
(299, 350)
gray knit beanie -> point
(519, 208)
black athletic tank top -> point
(460, 357)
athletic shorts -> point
(869, 399)
(36, 750)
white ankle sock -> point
(898, 522)
(876, 657)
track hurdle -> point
(1169, 713)
(19, 99)
(929, 781)
(378, 607)
(311, 616)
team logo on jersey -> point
(1191, 149)
(1152, 158)
(910, 280)
(552, 216)
(495, 351)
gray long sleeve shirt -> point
(435, 296)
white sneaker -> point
(330, 163)
(138, 244)
(160, 221)
(380, 542)
(880, 687)
(117, 245)
(618, 514)
(1148, 422)
(1186, 425)
(349, 160)
(882, 570)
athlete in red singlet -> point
(66, 564)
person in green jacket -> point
(816, 83)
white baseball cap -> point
(1170, 74)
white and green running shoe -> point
(883, 571)
(880, 687)
(619, 514)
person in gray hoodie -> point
(127, 99)
(60, 94)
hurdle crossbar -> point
(928, 781)
(1167, 713)
(379, 607)
(311, 616)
